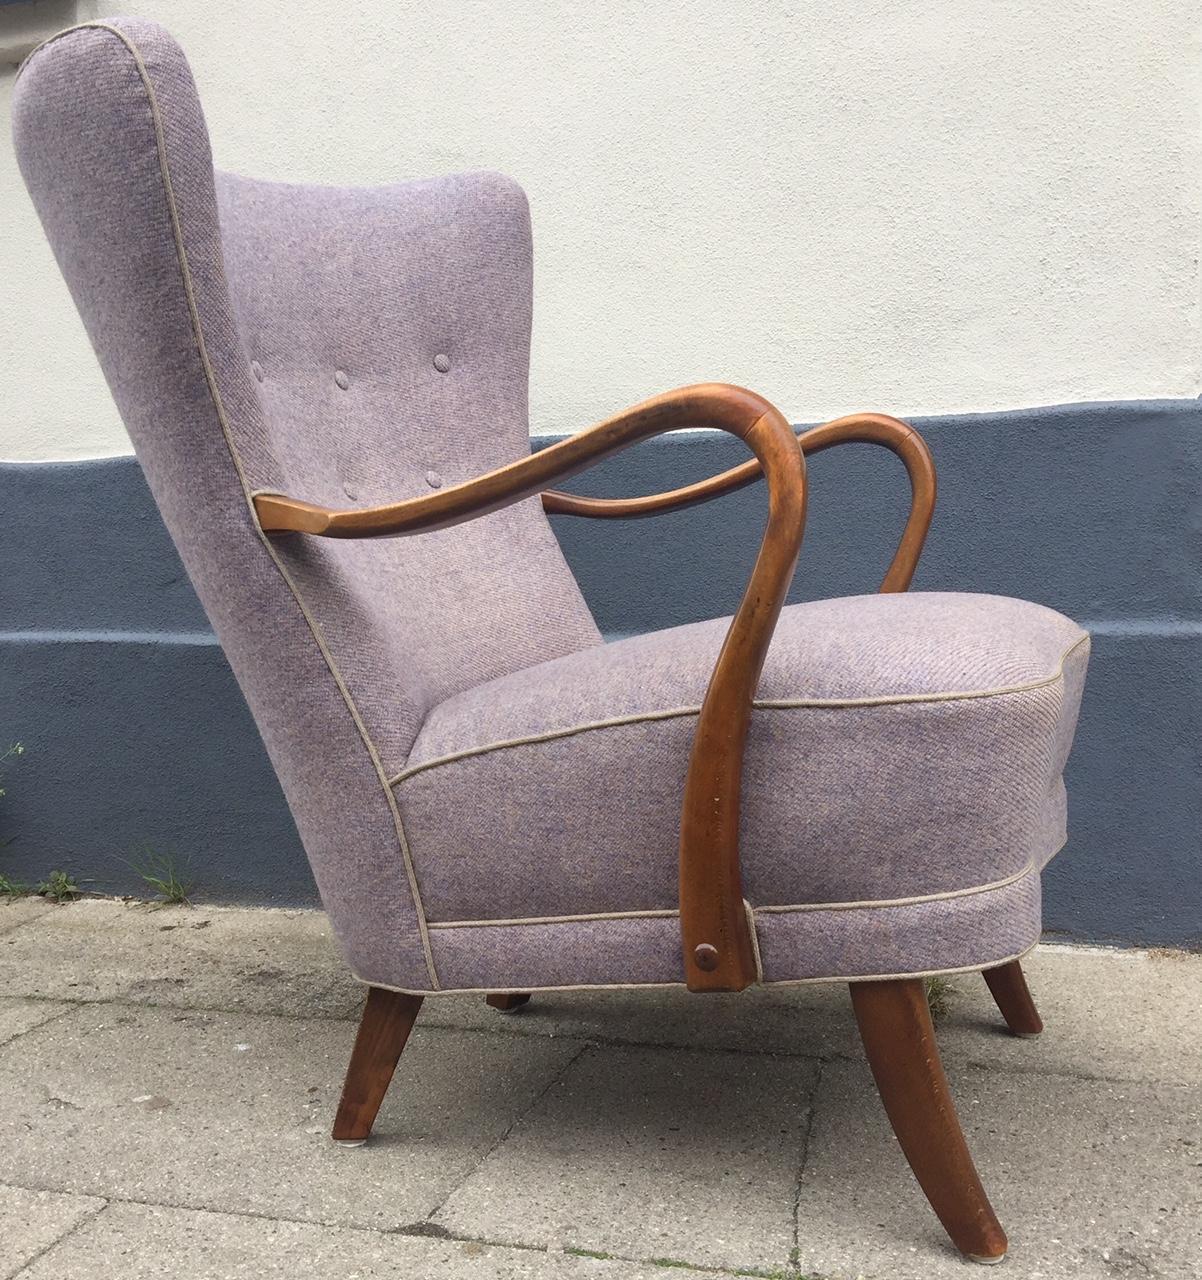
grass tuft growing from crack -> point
(162, 873)
(13, 889)
(756, 1273)
(940, 993)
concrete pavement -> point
(169, 1076)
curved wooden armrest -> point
(858, 428)
(716, 940)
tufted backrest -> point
(345, 346)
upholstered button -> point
(434, 480)
(442, 363)
(351, 492)
(341, 379)
(257, 369)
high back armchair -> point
(326, 388)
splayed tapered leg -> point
(1008, 984)
(895, 1025)
(388, 1018)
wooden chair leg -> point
(1009, 987)
(895, 1025)
(388, 1018)
(509, 1002)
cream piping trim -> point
(680, 986)
(755, 942)
(878, 903)
(219, 407)
(946, 896)
(774, 704)
(663, 914)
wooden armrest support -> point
(858, 428)
(718, 950)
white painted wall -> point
(920, 206)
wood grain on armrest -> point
(858, 428)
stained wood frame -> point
(856, 428)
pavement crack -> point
(88, 1217)
(188, 1206)
(514, 1121)
(807, 1134)
(46, 1022)
(426, 1230)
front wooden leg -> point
(388, 1017)
(1010, 991)
(895, 1025)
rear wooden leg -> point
(388, 1018)
(895, 1025)
(1009, 987)
(509, 1002)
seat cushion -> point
(905, 751)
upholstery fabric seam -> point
(219, 408)
(771, 704)
(796, 908)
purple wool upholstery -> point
(906, 752)
(431, 704)
(902, 745)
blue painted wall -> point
(136, 733)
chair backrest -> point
(346, 346)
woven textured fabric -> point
(223, 313)
(368, 288)
(903, 745)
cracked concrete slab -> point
(32, 1221)
(232, 1112)
(1092, 1180)
(18, 1016)
(147, 1242)
(651, 1154)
